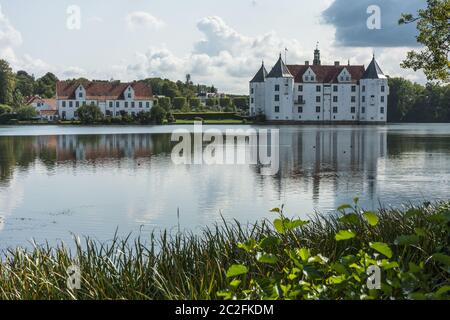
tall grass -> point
(188, 266)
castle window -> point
(277, 87)
(382, 88)
(342, 78)
(300, 99)
(318, 99)
(335, 88)
(318, 109)
(382, 98)
(129, 95)
(335, 109)
(306, 78)
(300, 88)
(253, 100)
(300, 109)
(110, 104)
(335, 99)
(70, 104)
(353, 99)
(353, 88)
(117, 104)
(352, 110)
(382, 110)
(277, 97)
(126, 104)
(363, 110)
(312, 78)
(347, 78)
(277, 109)
(63, 104)
(140, 104)
(147, 104)
(363, 88)
(318, 88)
(363, 98)
(80, 95)
(132, 104)
(77, 104)
(252, 91)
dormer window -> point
(129, 95)
(80, 95)
(312, 78)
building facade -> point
(320, 93)
(47, 109)
(114, 98)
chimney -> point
(306, 63)
(336, 63)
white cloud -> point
(140, 19)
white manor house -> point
(320, 93)
(114, 98)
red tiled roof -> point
(102, 90)
(325, 74)
(48, 112)
(49, 102)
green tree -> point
(212, 102)
(170, 89)
(164, 102)
(18, 99)
(46, 86)
(434, 33)
(225, 103)
(241, 103)
(179, 103)
(5, 109)
(26, 113)
(7, 83)
(195, 103)
(158, 114)
(25, 83)
(89, 113)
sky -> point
(220, 43)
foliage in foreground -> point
(324, 258)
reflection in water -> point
(90, 184)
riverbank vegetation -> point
(324, 257)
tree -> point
(195, 103)
(7, 83)
(25, 83)
(164, 102)
(179, 103)
(46, 86)
(225, 102)
(434, 33)
(241, 103)
(5, 109)
(18, 99)
(158, 114)
(170, 89)
(89, 113)
(26, 113)
(212, 102)
(144, 117)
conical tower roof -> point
(260, 75)
(279, 70)
(373, 71)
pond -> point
(57, 181)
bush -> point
(5, 109)
(26, 113)
(179, 103)
(88, 114)
(158, 114)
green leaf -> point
(269, 243)
(279, 226)
(294, 224)
(248, 246)
(441, 291)
(235, 283)
(344, 206)
(277, 210)
(351, 218)
(371, 218)
(304, 254)
(267, 258)
(336, 279)
(382, 248)
(420, 232)
(236, 270)
(345, 235)
(412, 213)
(442, 258)
(406, 240)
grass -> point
(255, 261)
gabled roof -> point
(260, 75)
(325, 73)
(280, 70)
(102, 90)
(373, 71)
(51, 103)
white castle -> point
(320, 93)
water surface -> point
(58, 181)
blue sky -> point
(218, 42)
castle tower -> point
(257, 92)
(374, 91)
(279, 92)
(317, 61)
